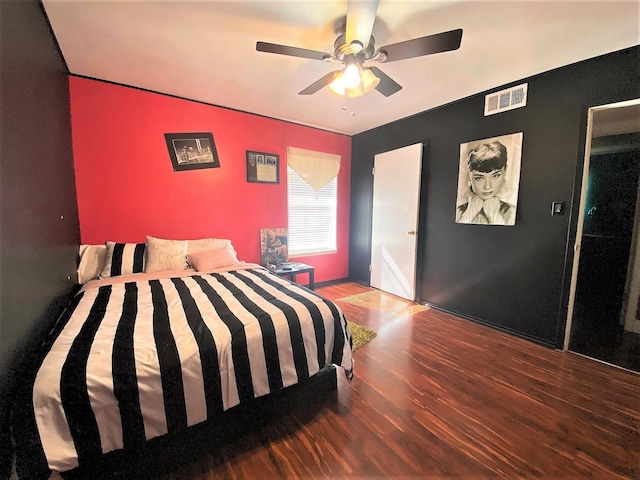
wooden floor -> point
(435, 396)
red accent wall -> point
(127, 188)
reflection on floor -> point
(382, 302)
(411, 309)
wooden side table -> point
(294, 269)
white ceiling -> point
(205, 50)
(616, 120)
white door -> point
(396, 194)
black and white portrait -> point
(488, 180)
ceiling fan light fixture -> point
(369, 80)
(351, 76)
(355, 92)
(337, 86)
(356, 46)
(346, 84)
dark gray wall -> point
(39, 231)
(514, 278)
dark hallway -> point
(603, 294)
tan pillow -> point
(92, 259)
(162, 254)
(212, 259)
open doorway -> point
(603, 315)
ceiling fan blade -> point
(292, 51)
(317, 85)
(361, 16)
(440, 42)
(387, 85)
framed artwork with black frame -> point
(192, 151)
(489, 180)
(263, 167)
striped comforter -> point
(143, 355)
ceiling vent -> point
(504, 100)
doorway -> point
(605, 288)
(394, 226)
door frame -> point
(583, 200)
(631, 298)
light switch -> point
(557, 208)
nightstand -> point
(293, 269)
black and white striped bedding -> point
(140, 358)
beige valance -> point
(315, 168)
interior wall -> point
(513, 278)
(39, 232)
(127, 187)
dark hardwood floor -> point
(435, 396)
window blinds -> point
(312, 215)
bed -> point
(136, 357)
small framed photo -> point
(192, 151)
(263, 167)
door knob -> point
(411, 232)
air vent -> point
(504, 100)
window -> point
(312, 215)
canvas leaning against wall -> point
(274, 246)
(488, 180)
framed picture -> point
(263, 167)
(488, 180)
(274, 245)
(192, 151)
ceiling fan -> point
(356, 47)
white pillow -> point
(92, 258)
(163, 254)
(206, 244)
